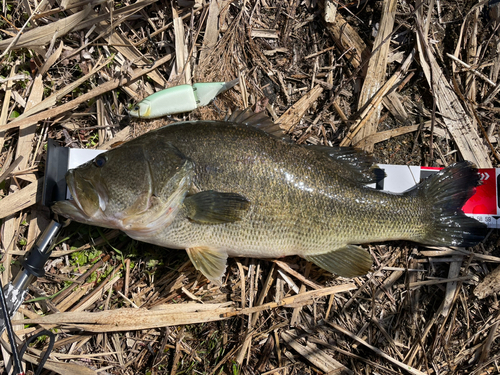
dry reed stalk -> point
(348, 41)
(376, 71)
(211, 31)
(458, 122)
(316, 356)
(404, 366)
(108, 86)
(294, 114)
(39, 36)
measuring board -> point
(483, 206)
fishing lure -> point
(179, 99)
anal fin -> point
(347, 261)
(210, 262)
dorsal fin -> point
(257, 120)
(358, 166)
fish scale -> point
(229, 188)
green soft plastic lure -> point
(179, 99)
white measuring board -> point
(484, 205)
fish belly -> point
(322, 228)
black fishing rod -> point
(18, 368)
(12, 296)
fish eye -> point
(100, 160)
(136, 108)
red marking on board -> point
(484, 201)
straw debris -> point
(416, 83)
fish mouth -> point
(69, 210)
(70, 182)
(84, 201)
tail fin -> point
(446, 192)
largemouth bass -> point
(239, 188)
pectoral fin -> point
(347, 261)
(210, 262)
(212, 207)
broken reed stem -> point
(99, 90)
(375, 101)
(471, 69)
(402, 365)
(293, 301)
(20, 32)
(479, 122)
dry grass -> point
(423, 91)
